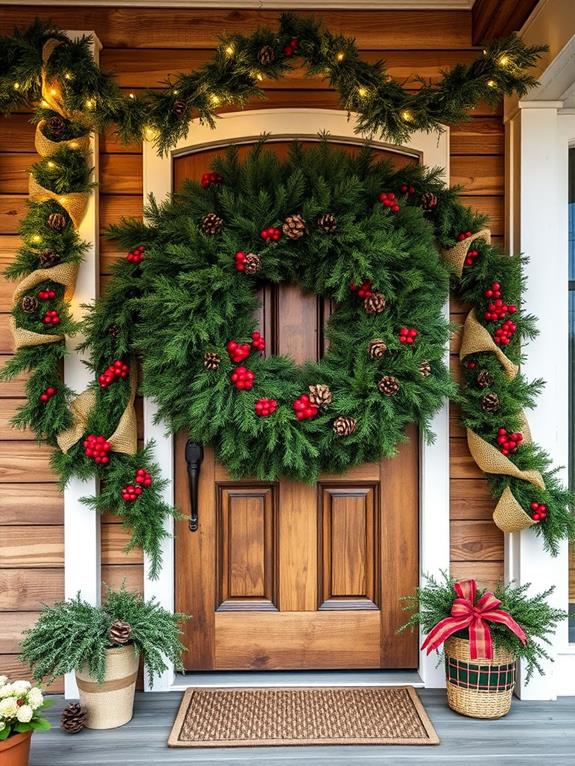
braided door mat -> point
(249, 717)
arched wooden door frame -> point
(281, 124)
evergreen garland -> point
(232, 77)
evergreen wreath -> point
(381, 219)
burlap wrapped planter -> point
(111, 703)
(478, 688)
(509, 515)
(15, 751)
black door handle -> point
(194, 457)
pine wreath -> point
(196, 300)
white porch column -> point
(81, 524)
(538, 196)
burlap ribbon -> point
(73, 202)
(46, 148)
(508, 515)
(455, 256)
(125, 437)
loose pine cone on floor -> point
(294, 227)
(47, 259)
(327, 222)
(376, 348)
(120, 632)
(388, 385)
(374, 303)
(57, 221)
(266, 55)
(252, 263)
(212, 360)
(320, 395)
(344, 426)
(73, 718)
(490, 403)
(212, 224)
(29, 304)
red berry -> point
(44, 397)
(535, 517)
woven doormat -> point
(302, 716)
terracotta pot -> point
(111, 703)
(15, 750)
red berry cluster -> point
(46, 295)
(51, 317)
(291, 47)
(470, 257)
(303, 408)
(97, 448)
(497, 309)
(47, 394)
(538, 511)
(258, 341)
(388, 199)
(211, 178)
(471, 364)
(271, 233)
(242, 378)
(133, 491)
(502, 335)
(137, 255)
(407, 189)
(363, 291)
(240, 260)
(117, 369)
(464, 235)
(266, 407)
(508, 442)
(238, 351)
(407, 335)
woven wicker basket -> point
(478, 688)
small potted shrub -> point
(483, 635)
(103, 645)
(21, 706)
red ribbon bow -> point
(465, 613)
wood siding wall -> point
(142, 47)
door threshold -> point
(297, 678)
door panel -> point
(287, 575)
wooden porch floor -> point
(533, 733)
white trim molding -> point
(539, 131)
(281, 124)
(81, 525)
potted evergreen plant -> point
(103, 646)
(483, 634)
(21, 706)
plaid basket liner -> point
(482, 678)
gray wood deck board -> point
(534, 732)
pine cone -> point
(212, 360)
(55, 126)
(266, 55)
(327, 222)
(294, 227)
(484, 379)
(212, 224)
(179, 108)
(320, 395)
(374, 303)
(376, 348)
(252, 263)
(490, 403)
(73, 718)
(344, 426)
(47, 259)
(57, 221)
(119, 633)
(29, 304)
(388, 385)
(113, 330)
(428, 201)
(425, 369)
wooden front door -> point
(284, 575)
